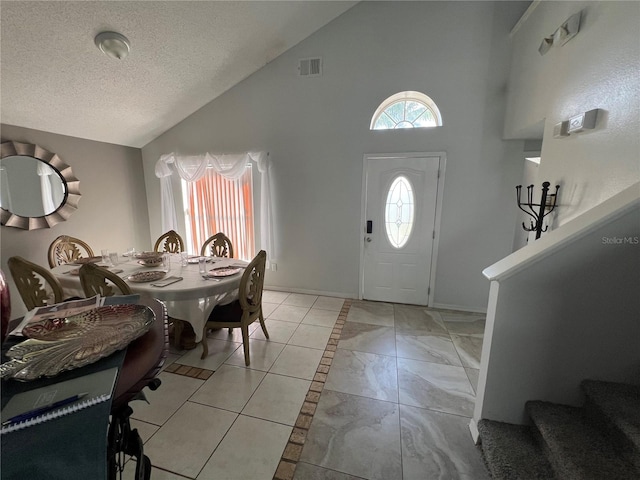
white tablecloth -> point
(191, 299)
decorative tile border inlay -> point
(293, 450)
(187, 371)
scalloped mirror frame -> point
(69, 203)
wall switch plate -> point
(274, 267)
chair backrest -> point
(219, 245)
(66, 249)
(251, 285)
(94, 281)
(5, 305)
(170, 242)
(37, 285)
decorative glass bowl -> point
(59, 344)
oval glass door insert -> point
(399, 211)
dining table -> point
(190, 299)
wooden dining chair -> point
(66, 249)
(245, 310)
(37, 285)
(170, 242)
(97, 280)
(5, 305)
(219, 246)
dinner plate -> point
(224, 271)
(82, 261)
(59, 344)
(141, 277)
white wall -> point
(112, 212)
(317, 131)
(596, 69)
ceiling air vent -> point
(310, 67)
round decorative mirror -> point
(37, 189)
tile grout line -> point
(293, 449)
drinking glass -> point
(176, 270)
(184, 259)
(105, 257)
(113, 256)
(202, 265)
(166, 262)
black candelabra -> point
(545, 207)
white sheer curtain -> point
(51, 191)
(5, 194)
(167, 204)
(230, 166)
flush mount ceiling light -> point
(113, 44)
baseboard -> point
(475, 434)
(310, 292)
(445, 306)
(324, 293)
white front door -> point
(400, 213)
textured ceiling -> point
(183, 55)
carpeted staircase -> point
(599, 441)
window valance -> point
(231, 166)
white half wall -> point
(563, 310)
(317, 131)
(111, 214)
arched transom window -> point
(406, 110)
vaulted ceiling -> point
(183, 55)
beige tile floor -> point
(395, 404)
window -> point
(214, 204)
(406, 110)
(399, 211)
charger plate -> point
(224, 271)
(83, 260)
(151, 262)
(76, 271)
(146, 255)
(192, 260)
(60, 344)
(141, 277)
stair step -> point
(617, 407)
(512, 452)
(576, 449)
